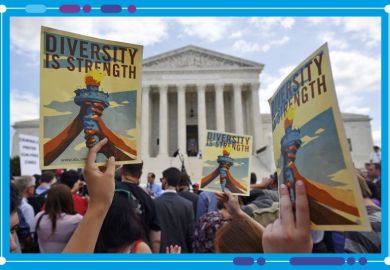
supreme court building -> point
(191, 89)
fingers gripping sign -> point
(288, 234)
(100, 184)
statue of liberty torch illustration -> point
(226, 179)
(92, 102)
(290, 143)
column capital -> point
(163, 87)
(255, 85)
(181, 87)
(219, 86)
(237, 86)
(146, 88)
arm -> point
(101, 191)
(265, 182)
(155, 239)
(233, 207)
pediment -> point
(198, 58)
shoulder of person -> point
(143, 248)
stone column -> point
(181, 119)
(163, 118)
(238, 116)
(201, 115)
(219, 107)
(257, 122)
(145, 121)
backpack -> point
(265, 216)
(37, 201)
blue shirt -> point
(207, 202)
(155, 189)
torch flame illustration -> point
(93, 78)
(289, 118)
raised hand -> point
(288, 234)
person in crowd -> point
(152, 188)
(121, 231)
(183, 189)
(26, 187)
(45, 181)
(366, 242)
(195, 188)
(72, 179)
(375, 156)
(260, 196)
(56, 224)
(176, 214)
(206, 228)
(207, 202)
(143, 203)
(14, 219)
(38, 200)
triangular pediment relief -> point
(195, 57)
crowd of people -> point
(107, 210)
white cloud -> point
(237, 34)
(355, 73)
(25, 32)
(247, 46)
(206, 28)
(333, 41)
(366, 29)
(269, 84)
(271, 22)
(23, 106)
(357, 109)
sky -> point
(280, 43)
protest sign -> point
(29, 154)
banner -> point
(29, 154)
(90, 90)
(226, 163)
(309, 144)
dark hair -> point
(121, 225)
(172, 175)
(46, 177)
(59, 200)
(134, 170)
(376, 147)
(69, 178)
(185, 180)
(253, 178)
(14, 198)
(239, 236)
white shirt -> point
(28, 214)
(375, 157)
(55, 242)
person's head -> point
(47, 178)
(253, 178)
(185, 181)
(239, 236)
(121, 226)
(172, 176)
(59, 200)
(132, 172)
(25, 185)
(14, 219)
(69, 178)
(376, 148)
(151, 177)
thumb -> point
(110, 167)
